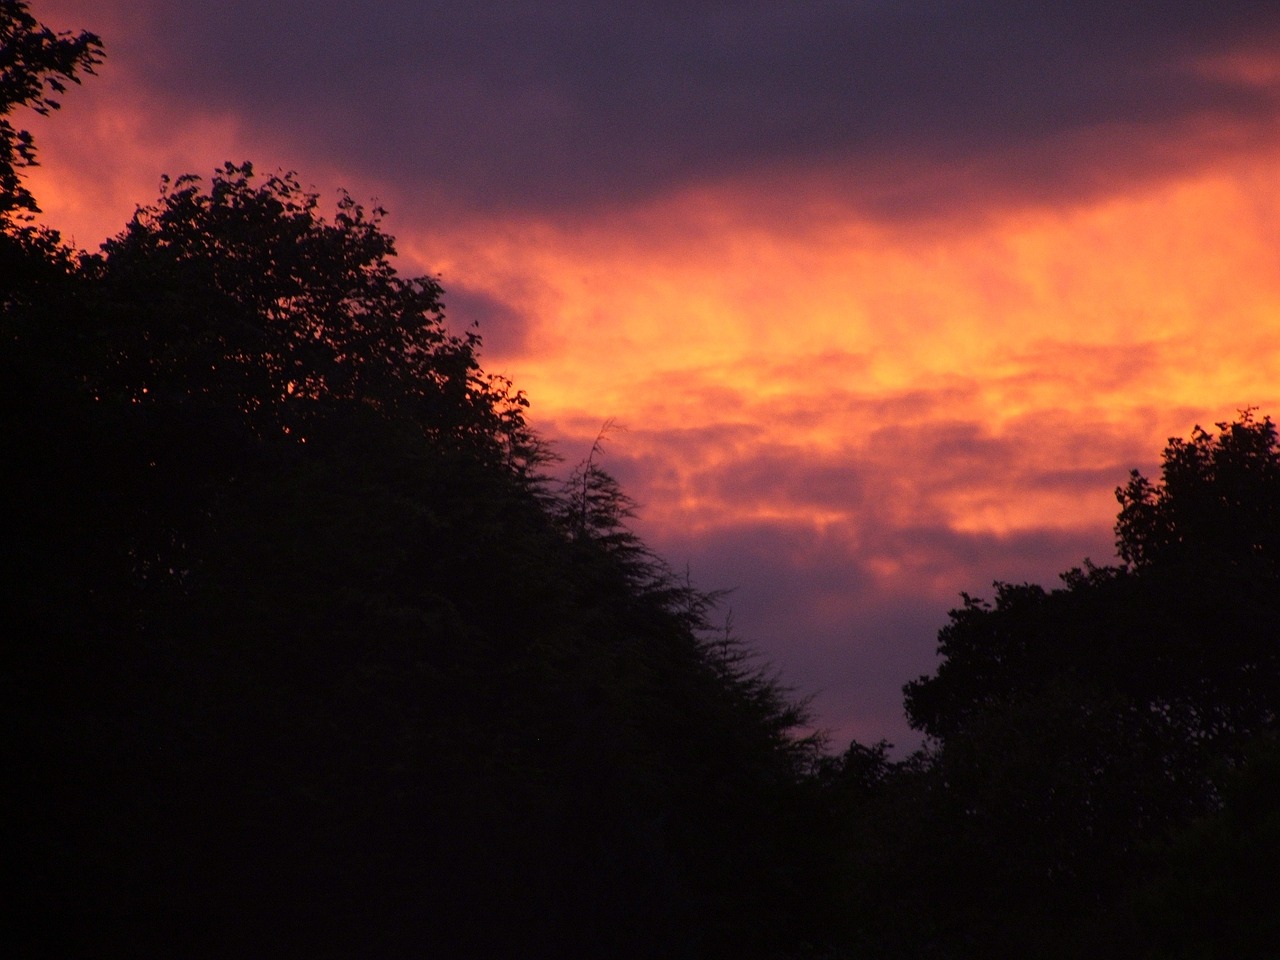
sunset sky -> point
(885, 298)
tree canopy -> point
(1183, 631)
(246, 296)
(1217, 502)
(1078, 732)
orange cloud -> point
(849, 415)
(1122, 319)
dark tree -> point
(242, 296)
(1217, 502)
(35, 66)
(1214, 889)
(303, 623)
(1183, 632)
(1078, 730)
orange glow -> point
(723, 327)
(88, 199)
(1129, 317)
(1258, 66)
(852, 384)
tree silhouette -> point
(1077, 730)
(1217, 503)
(305, 636)
(242, 294)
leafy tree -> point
(1217, 503)
(242, 295)
(1181, 632)
(1212, 889)
(1077, 730)
(35, 66)
(306, 626)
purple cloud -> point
(557, 106)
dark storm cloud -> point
(569, 104)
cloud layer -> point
(889, 296)
(555, 106)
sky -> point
(883, 299)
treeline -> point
(307, 653)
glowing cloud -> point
(881, 326)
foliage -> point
(1213, 888)
(1218, 501)
(242, 295)
(1078, 731)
